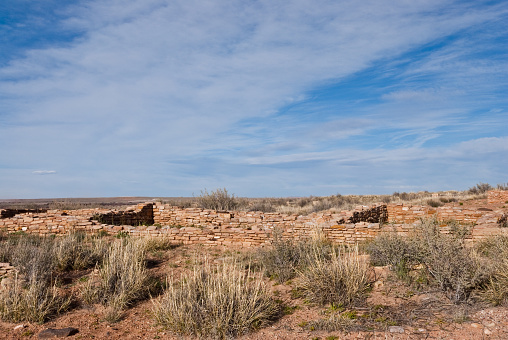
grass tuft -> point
(218, 302)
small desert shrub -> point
(282, 258)
(285, 257)
(434, 203)
(391, 249)
(455, 268)
(219, 200)
(341, 279)
(216, 302)
(121, 280)
(480, 188)
(33, 295)
(264, 206)
(496, 290)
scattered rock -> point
(487, 331)
(490, 325)
(19, 327)
(476, 325)
(51, 333)
(396, 329)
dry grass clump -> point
(77, 251)
(121, 280)
(160, 243)
(33, 294)
(218, 302)
(35, 301)
(340, 279)
(334, 322)
(496, 249)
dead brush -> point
(341, 279)
(216, 301)
(121, 280)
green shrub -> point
(216, 302)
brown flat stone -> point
(51, 333)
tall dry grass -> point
(341, 279)
(121, 280)
(216, 301)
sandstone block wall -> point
(497, 196)
(210, 227)
(400, 213)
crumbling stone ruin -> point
(209, 227)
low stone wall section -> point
(497, 196)
(211, 227)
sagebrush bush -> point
(121, 280)
(218, 302)
(391, 249)
(219, 200)
(285, 257)
(455, 268)
(341, 279)
(282, 258)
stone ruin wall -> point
(194, 225)
(497, 196)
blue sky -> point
(265, 98)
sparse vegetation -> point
(338, 279)
(219, 199)
(216, 302)
(221, 297)
(121, 280)
(32, 295)
(453, 267)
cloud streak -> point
(142, 84)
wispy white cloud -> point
(149, 82)
(44, 172)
